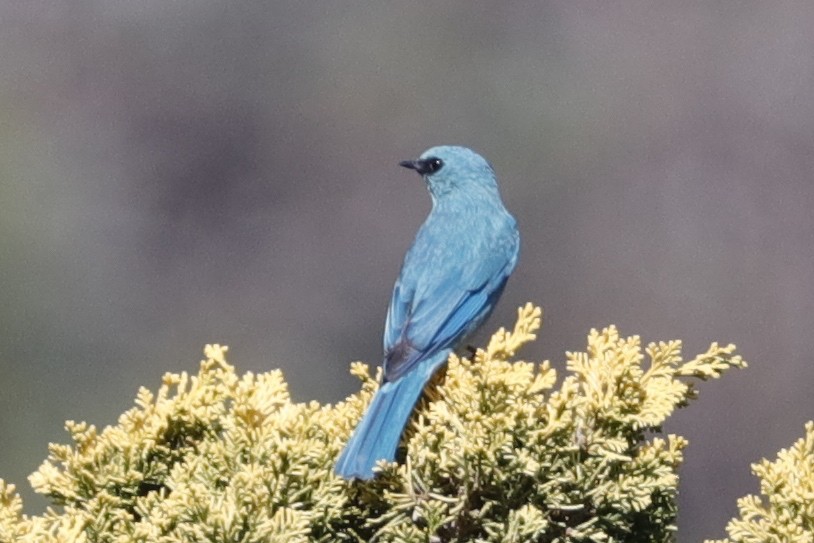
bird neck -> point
(466, 200)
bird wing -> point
(435, 305)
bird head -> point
(449, 169)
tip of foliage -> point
(786, 510)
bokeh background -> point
(177, 173)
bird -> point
(450, 281)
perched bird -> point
(450, 281)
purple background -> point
(177, 173)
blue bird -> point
(450, 281)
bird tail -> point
(378, 434)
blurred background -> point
(180, 173)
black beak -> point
(421, 166)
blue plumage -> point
(450, 281)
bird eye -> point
(434, 164)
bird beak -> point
(420, 166)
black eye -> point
(434, 164)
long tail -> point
(378, 434)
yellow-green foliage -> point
(497, 451)
(786, 514)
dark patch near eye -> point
(433, 164)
